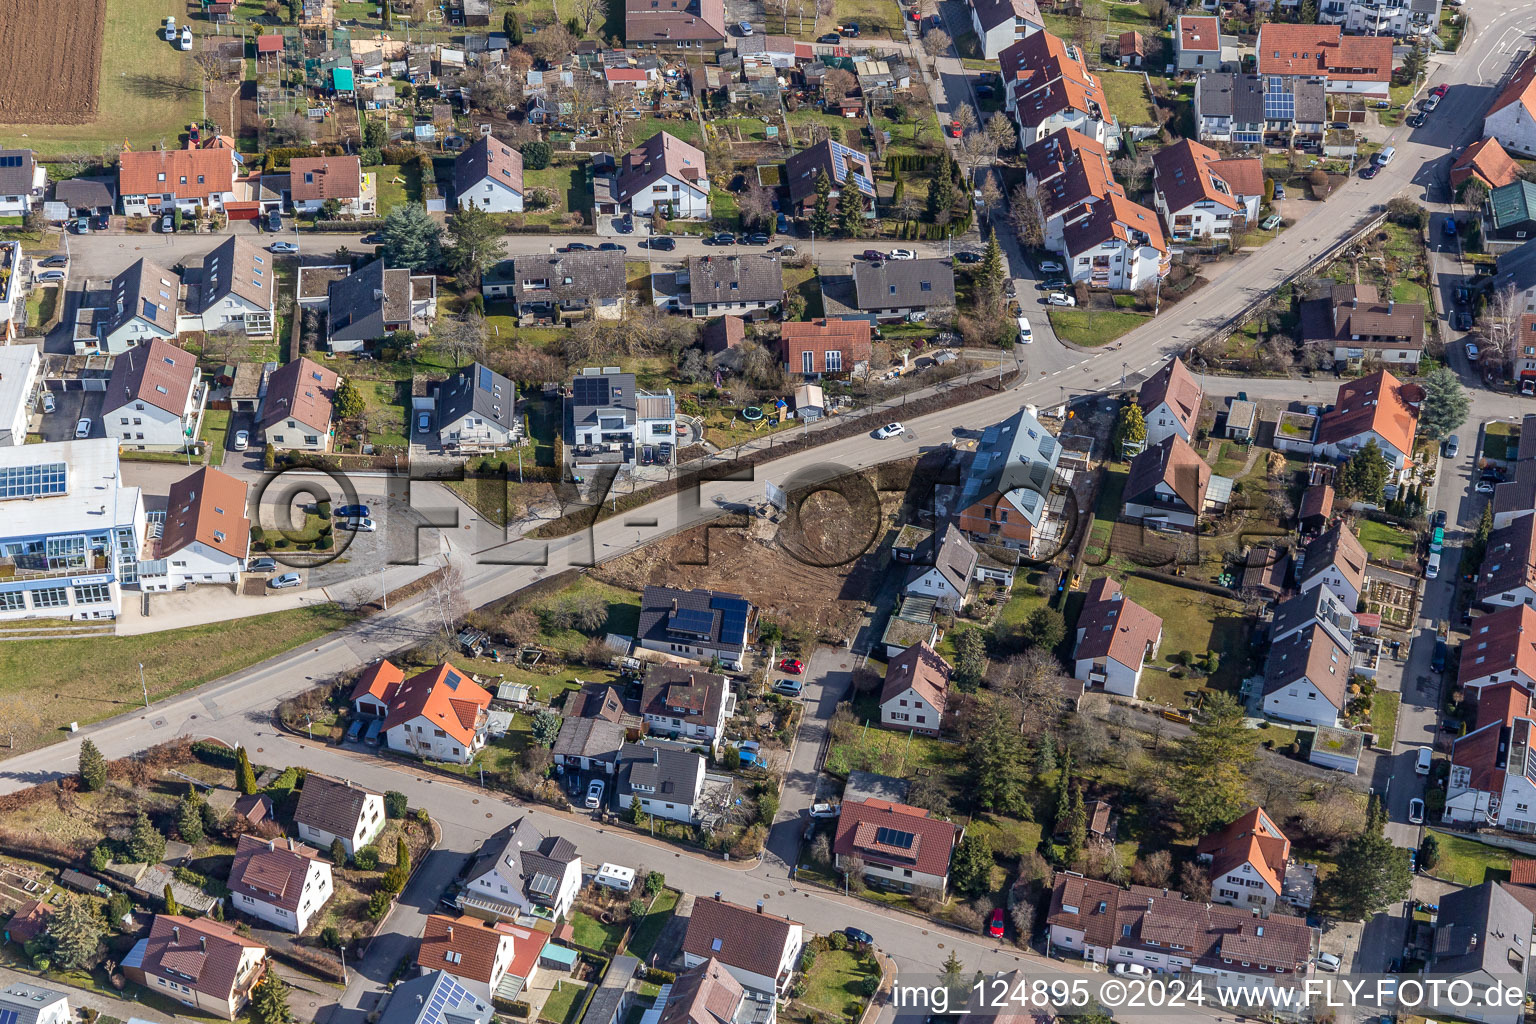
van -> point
(790, 686)
(615, 876)
(1425, 754)
(1385, 156)
(1432, 567)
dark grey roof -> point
(864, 785)
(589, 737)
(562, 276)
(1223, 94)
(899, 284)
(86, 193)
(17, 167)
(955, 558)
(1316, 605)
(1482, 929)
(521, 851)
(592, 393)
(436, 998)
(488, 158)
(363, 301)
(1517, 267)
(710, 618)
(147, 290)
(23, 1003)
(755, 278)
(604, 1005)
(1016, 458)
(481, 390)
(1311, 100)
(665, 772)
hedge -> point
(916, 163)
(282, 156)
(360, 226)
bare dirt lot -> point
(50, 60)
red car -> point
(794, 666)
(954, 129)
(1441, 89)
(995, 926)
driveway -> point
(828, 680)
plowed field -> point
(50, 60)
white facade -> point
(1341, 586)
(1206, 218)
(711, 733)
(1163, 422)
(1377, 19)
(908, 710)
(140, 424)
(998, 38)
(901, 879)
(292, 435)
(1514, 127)
(492, 196)
(676, 806)
(505, 888)
(1170, 513)
(1114, 676)
(1300, 701)
(474, 431)
(684, 199)
(237, 312)
(420, 737)
(33, 1003)
(134, 331)
(935, 584)
(19, 367)
(21, 205)
(1512, 808)
(370, 822)
(317, 889)
(1342, 450)
(195, 563)
(1246, 888)
(1117, 265)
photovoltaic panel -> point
(893, 837)
(485, 379)
(591, 391)
(692, 620)
(733, 615)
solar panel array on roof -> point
(893, 837)
(733, 615)
(13, 160)
(449, 993)
(1279, 105)
(543, 884)
(9, 1016)
(590, 390)
(452, 680)
(697, 621)
(485, 379)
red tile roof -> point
(895, 835)
(741, 937)
(1047, 76)
(921, 668)
(302, 390)
(379, 680)
(1379, 402)
(158, 373)
(29, 920)
(1483, 750)
(188, 173)
(850, 337)
(1244, 174)
(1173, 462)
(475, 945)
(1115, 218)
(1199, 34)
(325, 177)
(444, 696)
(207, 507)
(1115, 626)
(1501, 641)
(1522, 871)
(201, 953)
(1485, 159)
(1323, 50)
(272, 870)
(1070, 168)
(1131, 45)
(1252, 839)
(1521, 89)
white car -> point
(1060, 299)
(1328, 961)
(363, 525)
(1026, 333)
(1130, 969)
(825, 810)
(283, 582)
(186, 39)
(1484, 487)
(1415, 811)
(1051, 267)
(890, 430)
(284, 248)
(83, 428)
(170, 30)
(242, 440)
(1429, 103)
(901, 254)
(595, 794)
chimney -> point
(674, 606)
(450, 933)
(176, 932)
(759, 906)
(202, 943)
(271, 845)
(717, 897)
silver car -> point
(283, 582)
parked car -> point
(373, 238)
(595, 794)
(1429, 103)
(83, 428)
(966, 256)
(1415, 811)
(1271, 222)
(722, 238)
(1328, 961)
(1051, 267)
(51, 275)
(1438, 518)
(283, 248)
(612, 247)
(789, 687)
(901, 254)
(1415, 120)
(953, 130)
(1061, 299)
(1279, 191)
(859, 936)
(794, 666)
(1369, 171)
(744, 27)
(242, 440)
(873, 255)
(49, 405)
(1026, 333)
(1463, 295)
(851, 30)
(167, 223)
(1452, 446)
(661, 244)
(1441, 89)
(283, 582)
(359, 525)
(185, 43)
(995, 926)
(1437, 659)
(757, 238)
(1483, 487)
(274, 220)
(1462, 320)
(890, 430)
(423, 423)
(1448, 226)
(352, 512)
(1130, 969)
(830, 39)
(577, 247)
(59, 260)
(625, 226)
(170, 30)
(825, 811)
(1471, 352)
(263, 564)
(1052, 284)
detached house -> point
(22, 182)
(296, 410)
(233, 288)
(491, 960)
(1352, 65)
(519, 870)
(1377, 408)
(1197, 43)
(330, 809)
(897, 289)
(489, 176)
(1171, 487)
(31, 1004)
(664, 781)
(1170, 402)
(1335, 560)
(1493, 778)
(477, 411)
(200, 963)
(686, 703)
(1115, 637)
(664, 172)
(1511, 117)
(848, 171)
(700, 625)
(916, 691)
(708, 994)
(559, 289)
(1247, 862)
(206, 535)
(1482, 939)
(902, 848)
(736, 285)
(760, 950)
(1001, 23)
(1005, 499)
(279, 881)
(1306, 677)
(1353, 323)
(1501, 649)
(812, 348)
(1486, 161)
(677, 26)
(143, 304)
(945, 573)
(1199, 195)
(314, 181)
(1047, 86)
(154, 398)
(435, 998)
(439, 713)
(188, 179)
(372, 303)
(608, 419)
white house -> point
(1354, 65)
(1247, 862)
(687, 703)
(759, 949)
(1379, 408)
(1392, 18)
(19, 368)
(1066, 173)
(438, 714)
(1306, 678)
(1336, 560)
(608, 416)
(519, 871)
(158, 180)
(296, 408)
(142, 305)
(665, 781)
(1169, 486)
(1501, 649)
(901, 847)
(1490, 782)
(1198, 43)
(664, 172)
(1170, 402)
(916, 691)
(205, 537)
(331, 809)
(1001, 23)
(480, 954)
(1119, 245)
(314, 181)
(1510, 117)
(154, 398)
(1199, 195)
(278, 881)
(699, 625)
(944, 572)
(489, 176)
(477, 410)
(1115, 637)
(1047, 86)
(22, 182)
(235, 289)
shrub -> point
(394, 804)
(378, 905)
(338, 852)
(519, 1009)
(330, 937)
(659, 976)
(366, 858)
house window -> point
(50, 597)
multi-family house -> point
(1334, 559)
(1511, 117)
(154, 398)
(700, 625)
(330, 809)
(158, 180)
(1501, 649)
(1230, 108)
(609, 420)
(1171, 487)
(435, 998)
(1482, 941)
(1047, 86)
(686, 704)
(743, 286)
(477, 410)
(759, 949)
(674, 26)
(489, 176)
(1005, 498)
(1306, 677)
(1066, 174)
(25, 1003)
(279, 881)
(1492, 781)
(314, 181)
(916, 691)
(830, 345)
(1247, 862)
(70, 531)
(205, 537)
(143, 302)
(371, 303)
(486, 958)
(663, 172)
(902, 848)
(663, 782)
(1350, 65)
(1318, 606)
(200, 963)
(1508, 573)
(296, 409)
(559, 289)
(708, 994)
(231, 288)
(1200, 195)
(1377, 408)
(1403, 18)
(20, 367)
(1170, 402)
(22, 182)
(1197, 43)
(1115, 637)
(1119, 245)
(1001, 23)
(520, 871)
(1353, 323)
(438, 714)
(848, 172)
(897, 289)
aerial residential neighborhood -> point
(706, 512)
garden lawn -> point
(896, 754)
(40, 305)
(573, 192)
(643, 939)
(214, 433)
(565, 1003)
(1468, 862)
(1126, 92)
(1193, 621)
(1106, 509)
(623, 612)
(1384, 705)
(46, 684)
(1382, 540)
(392, 193)
(834, 984)
(588, 931)
(874, 17)
(805, 281)
(385, 415)
(685, 131)
(1092, 328)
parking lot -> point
(69, 408)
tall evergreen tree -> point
(1210, 780)
(1077, 828)
(821, 214)
(994, 768)
(994, 270)
(93, 767)
(76, 932)
(145, 843)
(1045, 756)
(269, 1001)
(402, 854)
(1371, 875)
(189, 818)
(171, 906)
(245, 775)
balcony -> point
(35, 567)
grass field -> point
(1384, 706)
(565, 1004)
(1196, 622)
(46, 684)
(1092, 328)
(593, 934)
(833, 985)
(643, 939)
(571, 187)
(1467, 862)
(685, 131)
(149, 90)
(1126, 92)
(1382, 540)
(215, 430)
(392, 193)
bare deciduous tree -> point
(937, 42)
(756, 205)
(589, 11)
(295, 129)
(966, 115)
(462, 337)
(1001, 131)
(1501, 326)
(1024, 215)
(18, 713)
(837, 84)
(552, 44)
